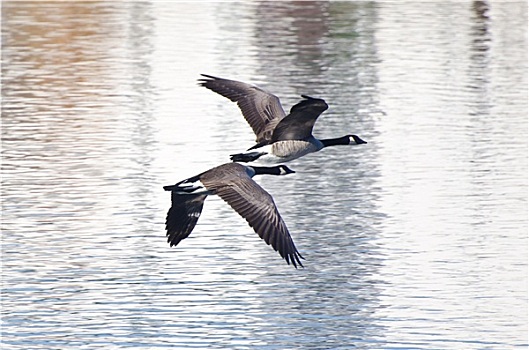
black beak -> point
(358, 140)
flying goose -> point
(233, 183)
(279, 137)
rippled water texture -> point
(416, 240)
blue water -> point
(416, 240)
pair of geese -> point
(280, 138)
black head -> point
(354, 139)
(284, 170)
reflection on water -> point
(415, 240)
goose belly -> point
(292, 149)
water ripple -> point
(416, 240)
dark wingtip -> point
(209, 76)
(294, 258)
(311, 102)
(206, 79)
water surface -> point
(417, 240)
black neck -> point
(260, 170)
(337, 141)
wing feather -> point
(299, 123)
(256, 205)
(261, 109)
(183, 215)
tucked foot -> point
(246, 157)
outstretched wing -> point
(261, 109)
(183, 215)
(299, 123)
(257, 206)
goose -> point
(233, 183)
(280, 137)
